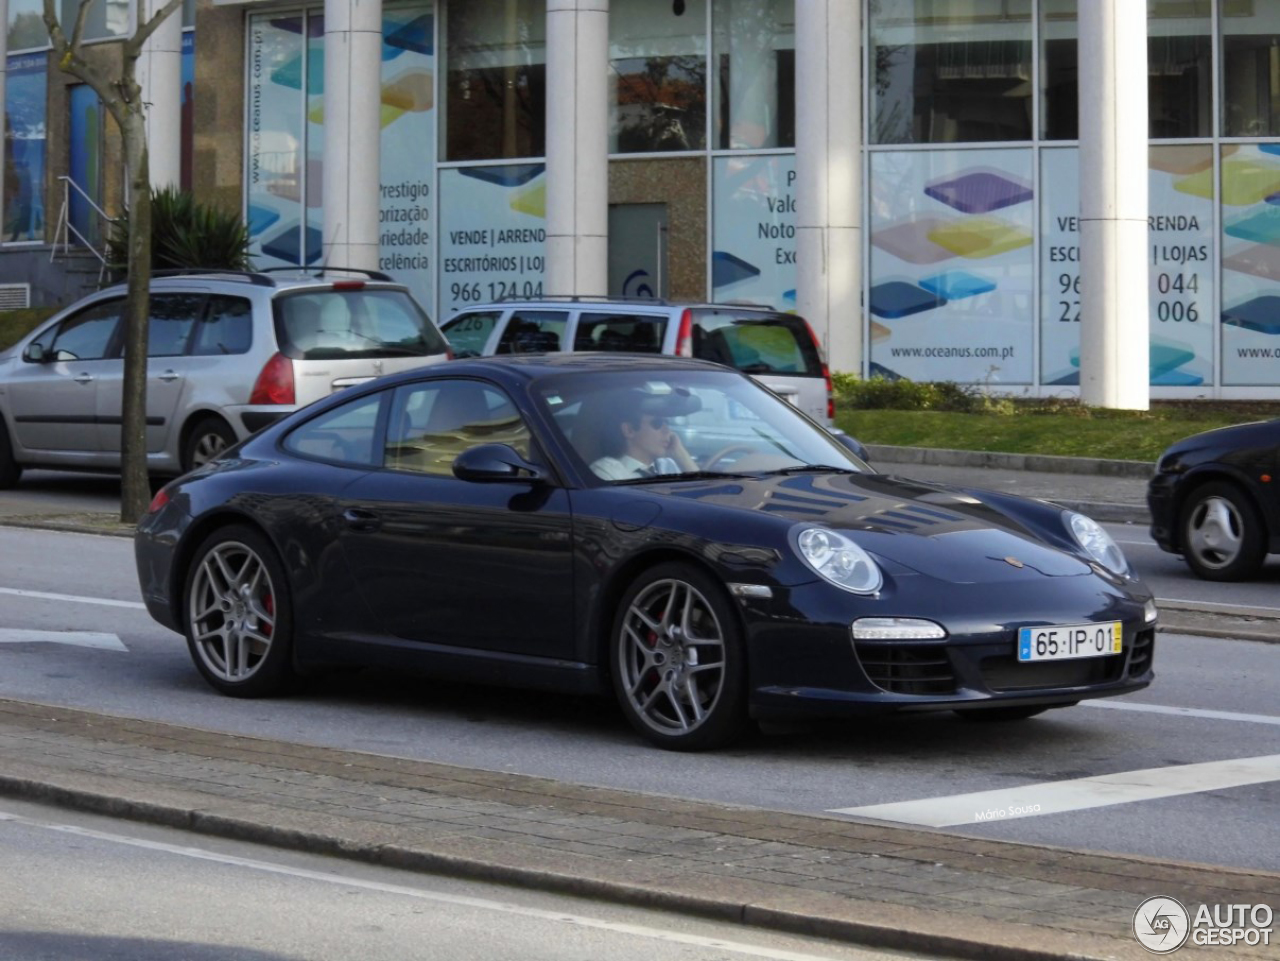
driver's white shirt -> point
(627, 467)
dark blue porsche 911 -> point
(663, 528)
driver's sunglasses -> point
(657, 423)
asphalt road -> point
(79, 888)
(1213, 702)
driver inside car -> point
(637, 440)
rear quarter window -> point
(634, 333)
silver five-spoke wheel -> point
(237, 613)
(677, 661)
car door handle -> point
(169, 375)
(361, 520)
(84, 378)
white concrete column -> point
(4, 124)
(352, 132)
(1114, 311)
(160, 77)
(577, 147)
(829, 177)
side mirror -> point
(490, 463)
(34, 354)
(851, 442)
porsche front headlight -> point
(1097, 543)
(839, 560)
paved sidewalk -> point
(916, 890)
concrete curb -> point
(70, 772)
(776, 917)
(1047, 463)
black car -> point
(1214, 500)
(663, 528)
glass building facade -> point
(969, 159)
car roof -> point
(271, 280)
(607, 303)
(531, 367)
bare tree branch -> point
(133, 46)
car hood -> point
(943, 532)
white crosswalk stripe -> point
(1058, 797)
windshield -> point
(330, 324)
(635, 426)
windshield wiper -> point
(685, 475)
(814, 469)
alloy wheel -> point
(207, 446)
(671, 655)
(1215, 532)
(232, 611)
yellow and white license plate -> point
(1067, 641)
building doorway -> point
(638, 250)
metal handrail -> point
(66, 229)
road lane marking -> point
(74, 599)
(1077, 794)
(481, 904)
(1184, 712)
(95, 639)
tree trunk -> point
(135, 489)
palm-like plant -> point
(185, 233)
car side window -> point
(87, 335)
(469, 333)
(344, 434)
(432, 423)
(225, 328)
(534, 332)
(635, 333)
(170, 323)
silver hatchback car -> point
(229, 352)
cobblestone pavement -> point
(924, 891)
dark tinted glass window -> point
(1179, 68)
(344, 434)
(87, 335)
(534, 332)
(773, 344)
(496, 79)
(657, 76)
(172, 317)
(635, 333)
(226, 328)
(1250, 69)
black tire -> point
(238, 614)
(207, 439)
(1222, 534)
(10, 469)
(704, 654)
(1003, 713)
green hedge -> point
(16, 324)
(878, 393)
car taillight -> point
(275, 383)
(349, 285)
(684, 339)
(157, 502)
(826, 373)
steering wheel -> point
(724, 452)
